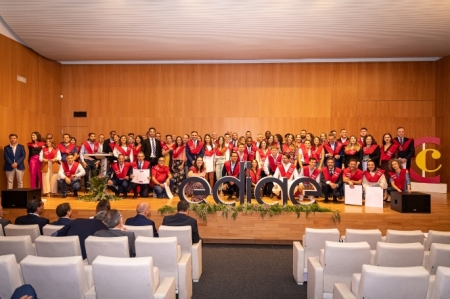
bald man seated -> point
(143, 211)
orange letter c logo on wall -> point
(422, 163)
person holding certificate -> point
(161, 177)
(119, 176)
(374, 177)
(140, 176)
(352, 175)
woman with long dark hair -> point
(34, 148)
(123, 149)
(220, 151)
(196, 170)
(179, 159)
(208, 159)
(371, 151)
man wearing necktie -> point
(331, 180)
(406, 147)
(140, 188)
(151, 147)
(194, 149)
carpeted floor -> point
(247, 271)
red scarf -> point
(69, 172)
(194, 170)
(49, 154)
(235, 172)
(262, 154)
(329, 149)
(370, 150)
(121, 174)
(305, 155)
(218, 151)
(66, 150)
(375, 178)
(136, 150)
(122, 151)
(252, 154)
(195, 150)
(88, 149)
(334, 178)
(317, 152)
(231, 146)
(36, 145)
(256, 176)
(243, 157)
(286, 148)
(343, 143)
(286, 174)
(399, 180)
(350, 152)
(274, 162)
(166, 147)
(353, 176)
(388, 155)
(404, 147)
(145, 165)
(312, 175)
(177, 151)
(209, 153)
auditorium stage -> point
(279, 229)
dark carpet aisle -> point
(247, 271)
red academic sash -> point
(317, 152)
(361, 141)
(122, 151)
(69, 172)
(274, 162)
(404, 147)
(136, 150)
(146, 165)
(334, 178)
(345, 143)
(262, 154)
(252, 154)
(350, 152)
(375, 178)
(370, 150)
(231, 146)
(387, 155)
(177, 151)
(195, 150)
(286, 174)
(313, 175)
(399, 180)
(255, 176)
(241, 158)
(88, 149)
(218, 152)
(37, 144)
(194, 170)
(353, 176)
(49, 154)
(209, 153)
(121, 174)
(305, 155)
(227, 166)
(160, 173)
(166, 147)
(329, 149)
(286, 149)
(66, 150)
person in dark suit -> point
(14, 155)
(35, 207)
(143, 211)
(331, 180)
(113, 222)
(3, 222)
(181, 218)
(64, 211)
(151, 147)
(82, 228)
(405, 148)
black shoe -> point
(326, 200)
(75, 194)
(64, 195)
(334, 199)
(135, 195)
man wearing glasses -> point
(161, 177)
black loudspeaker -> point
(414, 202)
(18, 198)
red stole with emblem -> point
(242, 157)
(209, 152)
(353, 176)
(333, 178)
(69, 172)
(370, 150)
(250, 155)
(122, 151)
(37, 144)
(274, 162)
(227, 166)
(376, 177)
(177, 151)
(218, 152)
(313, 175)
(305, 155)
(195, 150)
(121, 174)
(262, 154)
(316, 152)
(136, 150)
(387, 155)
(329, 149)
(145, 165)
(402, 147)
(286, 174)
(166, 147)
(66, 150)
(350, 152)
(255, 176)
(399, 180)
(49, 154)
(344, 143)
(88, 149)
(285, 148)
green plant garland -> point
(98, 190)
(203, 209)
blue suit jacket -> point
(61, 221)
(10, 158)
(140, 220)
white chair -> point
(336, 265)
(128, 278)
(184, 235)
(112, 247)
(404, 236)
(165, 256)
(57, 277)
(371, 236)
(20, 246)
(439, 255)
(435, 236)
(49, 229)
(397, 255)
(1, 231)
(10, 277)
(145, 230)
(58, 246)
(31, 230)
(313, 241)
(441, 286)
(386, 283)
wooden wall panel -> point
(442, 110)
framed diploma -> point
(140, 176)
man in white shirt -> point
(90, 164)
(70, 174)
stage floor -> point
(279, 229)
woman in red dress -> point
(34, 148)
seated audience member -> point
(161, 177)
(70, 174)
(3, 222)
(374, 177)
(331, 181)
(352, 175)
(143, 211)
(141, 188)
(64, 212)
(82, 228)
(103, 205)
(25, 291)
(35, 207)
(181, 218)
(119, 176)
(231, 168)
(114, 224)
(399, 178)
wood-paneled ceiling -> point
(86, 30)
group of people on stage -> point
(329, 159)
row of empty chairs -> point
(68, 277)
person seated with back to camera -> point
(143, 211)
